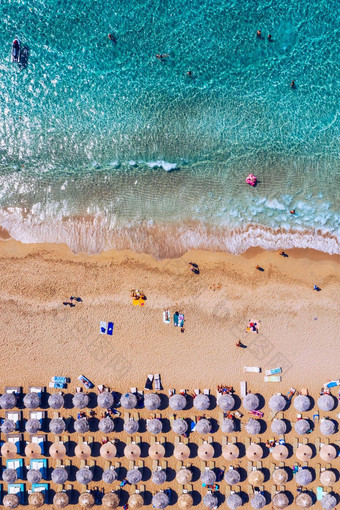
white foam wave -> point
(162, 164)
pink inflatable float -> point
(251, 179)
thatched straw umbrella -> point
(9, 475)
(128, 400)
(106, 425)
(303, 477)
(185, 501)
(184, 476)
(226, 402)
(326, 403)
(57, 451)
(158, 476)
(136, 501)
(60, 500)
(8, 450)
(83, 451)
(328, 452)
(152, 401)
(8, 426)
(32, 450)
(108, 451)
(10, 501)
(210, 501)
(280, 501)
(328, 478)
(80, 400)
(132, 451)
(302, 403)
(202, 402)
(160, 500)
(105, 400)
(203, 426)
(280, 452)
(32, 400)
(32, 426)
(109, 475)
(59, 475)
(230, 451)
(304, 452)
(253, 426)
(8, 400)
(302, 427)
(327, 427)
(280, 476)
(81, 426)
(206, 451)
(232, 476)
(131, 426)
(57, 426)
(182, 451)
(84, 476)
(154, 426)
(251, 402)
(56, 401)
(177, 402)
(156, 451)
(234, 501)
(328, 501)
(278, 427)
(179, 426)
(277, 403)
(34, 475)
(227, 426)
(36, 499)
(134, 476)
(110, 500)
(208, 477)
(256, 477)
(303, 500)
(257, 501)
(86, 500)
(254, 452)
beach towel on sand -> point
(109, 328)
(103, 326)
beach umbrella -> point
(328, 502)
(280, 476)
(226, 402)
(81, 426)
(56, 401)
(10, 501)
(208, 477)
(182, 451)
(202, 402)
(156, 451)
(59, 475)
(57, 426)
(206, 451)
(303, 477)
(277, 403)
(136, 501)
(154, 426)
(109, 475)
(230, 451)
(134, 476)
(328, 478)
(32, 450)
(32, 400)
(8, 450)
(185, 501)
(83, 451)
(280, 452)
(34, 475)
(57, 451)
(80, 400)
(131, 426)
(254, 452)
(251, 402)
(234, 501)
(184, 476)
(106, 425)
(327, 427)
(32, 426)
(232, 476)
(253, 426)
(110, 500)
(303, 500)
(326, 403)
(302, 427)
(132, 451)
(9, 475)
(203, 426)
(86, 500)
(179, 426)
(227, 426)
(304, 452)
(128, 400)
(210, 501)
(158, 476)
(105, 400)
(108, 451)
(328, 452)
(60, 500)
(8, 400)
(302, 403)
(84, 475)
(258, 501)
(160, 500)
(278, 426)
(280, 501)
(177, 402)
(256, 477)
(8, 426)
(152, 401)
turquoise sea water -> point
(102, 145)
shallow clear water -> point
(90, 129)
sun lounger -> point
(249, 467)
(243, 388)
(166, 316)
(86, 382)
(16, 439)
(18, 465)
(272, 378)
(227, 490)
(256, 370)
(180, 320)
(158, 385)
(13, 389)
(250, 490)
(42, 487)
(164, 464)
(206, 391)
(15, 416)
(273, 371)
(103, 327)
(37, 389)
(18, 489)
(41, 465)
(148, 382)
(247, 441)
(38, 415)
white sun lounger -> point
(157, 382)
(257, 370)
(272, 378)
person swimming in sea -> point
(292, 85)
(160, 56)
(112, 38)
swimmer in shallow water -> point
(112, 38)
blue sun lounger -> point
(18, 489)
(41, 465)
(18, 465)
(40, 440)
(15, 416)
(16, 439)
(41, 487)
